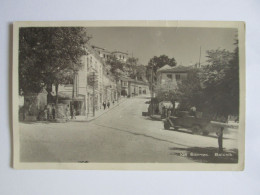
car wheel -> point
(196, 129)
(166, 125)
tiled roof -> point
(168, 68)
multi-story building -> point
(102, 52)
(90, 86)
(168, 77)
(105, 54)
(122, 56)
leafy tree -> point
(141, 72)
(130, 67)
(154, 64)
(49, 56)
(157, 62)
(213, 89)
(189, 91)
(115, 67)
(220, 81)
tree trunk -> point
(49, 90)
(56, 89)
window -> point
(178, 77)
(169, 76)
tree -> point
(141, 72)
(154, 64)
(115, 67)
(189, 91)
(49, 56)
(157, 62)
(220, 81)
(130, 67)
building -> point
(91, 85)
(168, 77)
(132, 87)
(105, 54)
(102, 52)
(122, 56)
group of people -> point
(70, 112)
(50, 113)
(107, 104)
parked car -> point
(198, 125)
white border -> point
(131, 166)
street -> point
(120, 135)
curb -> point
(89, 120)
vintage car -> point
(198, 125)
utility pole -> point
(93, 93)
(200, 56)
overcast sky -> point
(181, 43)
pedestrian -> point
(193, 111)
(53, 111)
(48, 113)
(67, 110)
(45, 111)
(73, 113)
(104, 105)
(113, 102)
(108, 104)
(169, 112)
(220, 139)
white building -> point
(90, 86)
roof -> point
(173, 69)
(93, 46)
(165, 67)
(133, 80)
(119, 52)
(94, 52)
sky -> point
(181, 43)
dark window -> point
(178, 77)
(169, 76)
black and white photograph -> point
(129, 95)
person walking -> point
(45, 111)
(67, 110)
(74, 113)
(108, 104)
(104, 105)
(220, 139)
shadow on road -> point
(140, 134)
(207, 154)
(190, 132)
(151, 119)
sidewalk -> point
(98, 113)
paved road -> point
(120, 135)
